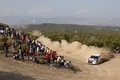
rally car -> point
(96, 59)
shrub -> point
(34, 37)
(3, 38)
(24, 46)
(1, 47)
(42, 61)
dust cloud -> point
(74, 49)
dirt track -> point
(107, 71)
(18, 70)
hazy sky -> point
(56, 8)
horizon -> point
(104, 12)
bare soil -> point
(11, 69)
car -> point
(93, 59)
(97, 59)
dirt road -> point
(11, 69)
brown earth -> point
(11, 69)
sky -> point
(108, 9)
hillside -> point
(11, 69)
(71, 27)
(91, 35)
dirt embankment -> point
(11, 69)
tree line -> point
(99, 36)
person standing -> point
(48, 58)
(19, 46)
(22, 55)
(27, 53)
(38, 50)
(19, 52)
(13, 43)
(6, 48)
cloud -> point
(44, 10)
(11, 9)
(31, 11)
(40, 11)
(14, 9)
(81, 12)
(33, 21)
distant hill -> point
(71, 27)
(23, 20)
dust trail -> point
(74, 49)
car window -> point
(96, 57)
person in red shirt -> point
(48, 58)
(27, 53)
(23, 38)
(54, 56)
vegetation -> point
(42, 61)
(3, 38)
(33, 37)
(3, 25)
(1, 47)
(99, 36)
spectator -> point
(67, 63)
(54, 56)
(22, 54)
(62, 60)
(6, 48)
(38, 50)
(27, 53)
(48, 58)
(13, 43)
(59, 61)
